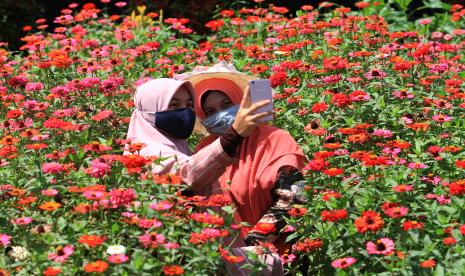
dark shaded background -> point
(15, 14)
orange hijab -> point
(249, 181)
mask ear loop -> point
(146, 112)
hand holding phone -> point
(261, 90)
(248, 116)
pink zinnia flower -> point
(396, 212)
(34, 86)
(403, 188)
(152, 240)
(61, 254)
(120, 4)
(49, 192)
(149, 223)
(383, 246)
(385, 133)
(161, 206)
(287, 258)
(343, 262)
(22, 221)
(443, 200)
(440, 118)
(118, 258)
(95, 195)
(52, 168)
(98, 168)
(5, 240)
(416, 165)
(122, 197)
(375, 73)
(425, 21)
(438, 68)
(171, 245)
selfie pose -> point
(266, 180)
(164, 118)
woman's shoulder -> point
(272, 132)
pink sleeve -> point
(204, 168)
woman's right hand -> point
(246, 119)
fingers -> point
(246, 98)
(259, 116)
(258, 105)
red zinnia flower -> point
(319, 107)
(333, 215)
(173, 270)
(428, 263)
(51, 271)
(460, 164)
(277, 79)
(333, 171)
(449, 241)
(307, 245)
(297, 212)
(412, 224)
(264, 228)
(396, 212)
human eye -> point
(226, 104)
(208, 112)
(173, 106)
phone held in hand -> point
(261, 90)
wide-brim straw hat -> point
(222, 70)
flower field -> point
(377, 109)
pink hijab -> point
(155, 96)
(249, 182)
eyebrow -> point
(177, 99)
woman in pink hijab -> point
(163, 119)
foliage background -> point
(16, 14)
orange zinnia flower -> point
(50, 206)
(97, 266)
(9, 140)
(369, 221)
(91, 240)
(358, 138)
(333, 171)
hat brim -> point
(241, 79)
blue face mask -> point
(178, 123)
(218, 123)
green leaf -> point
(439, 270)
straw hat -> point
(221, 70)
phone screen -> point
(261, 90)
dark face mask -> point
(178, 123)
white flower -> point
(19, 253)
(116, 249)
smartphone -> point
(261, 90)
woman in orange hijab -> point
(265, 181)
